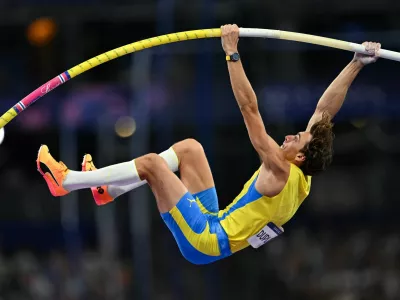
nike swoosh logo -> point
(45, 169)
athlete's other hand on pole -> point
(373, 50)
(229, 38)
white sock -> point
(171, 158)
(119, 174)
(116, 190)
(172, 161)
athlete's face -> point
(293, 144)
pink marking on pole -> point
(43, 90)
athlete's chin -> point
(288, 156)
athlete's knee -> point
(149, 164)
(189, 147)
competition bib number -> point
(269, 232)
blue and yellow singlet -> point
(205, 234)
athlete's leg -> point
(196, 174)
(105, 194)
(194, 169)
(200, 237)
(166, 186)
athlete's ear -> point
(300, 157)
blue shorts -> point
(196, 227)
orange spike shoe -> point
(100, 193)
(53, 172)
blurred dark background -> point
(343, 244)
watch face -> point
(235, 56)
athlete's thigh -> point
(167, 188)
(194, 168)
(200, 237)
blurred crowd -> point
(348, 265)
(339, 265)
(26, 276)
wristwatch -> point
(233, 57)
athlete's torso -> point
(250, 211)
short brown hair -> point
(319, 150)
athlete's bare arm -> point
(333, 98)
(265, 146)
